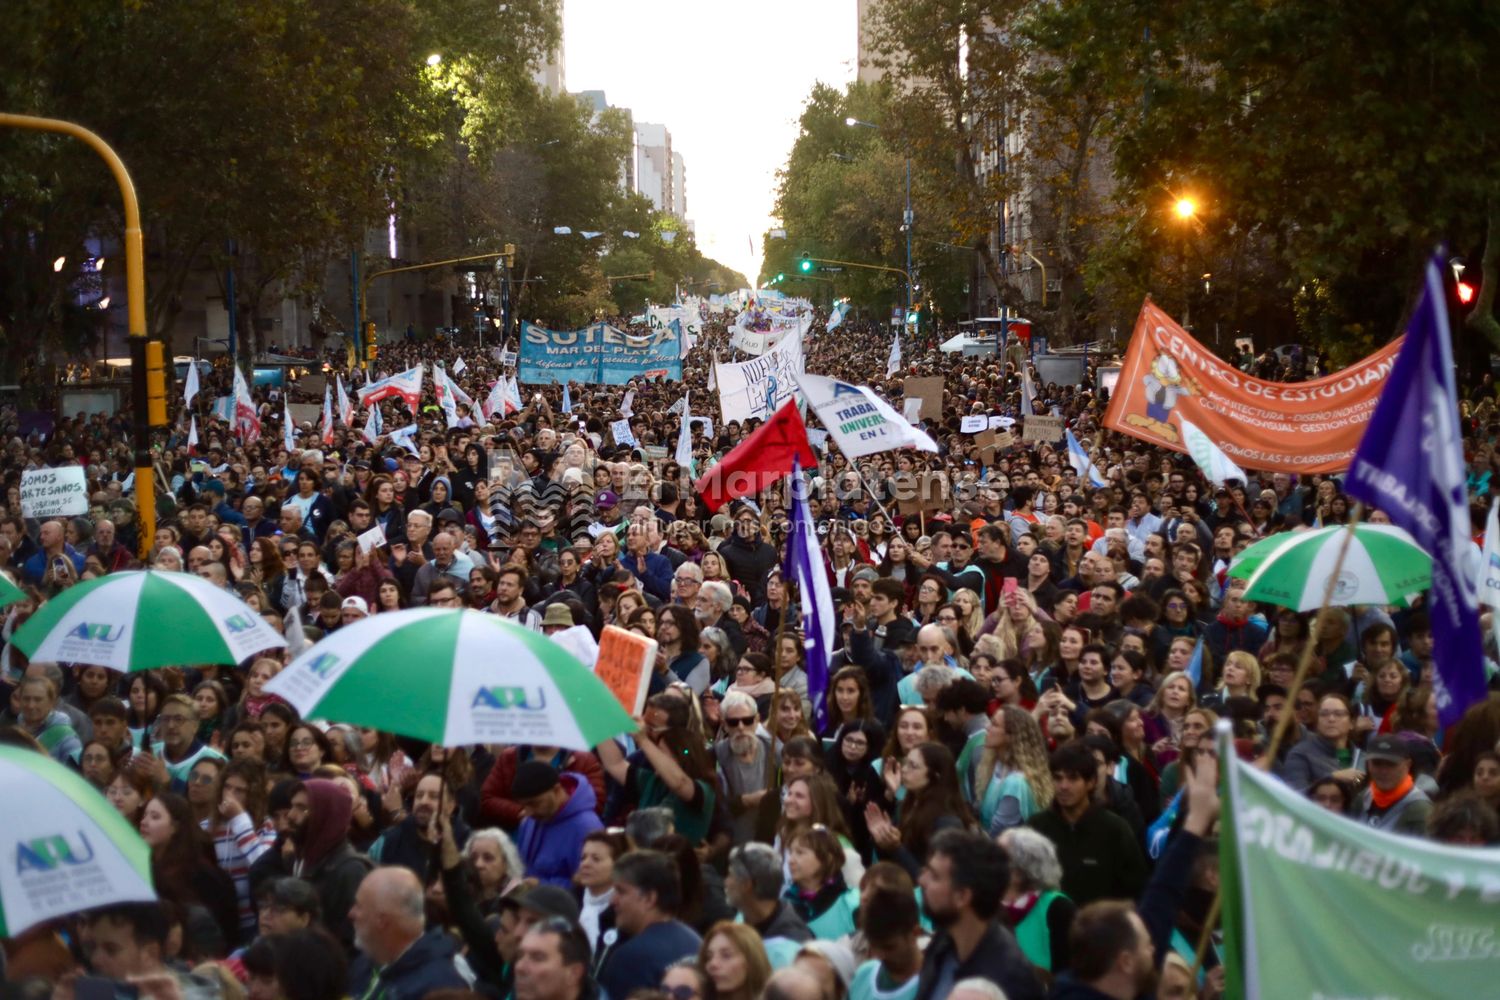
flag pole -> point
(1287, 714)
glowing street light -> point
(434, 59)
(1185, 208)
(104, 302)
(59, 263)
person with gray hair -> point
(77, 717)
(646, 827)
(753, 886)
(741, 753)
(1041, 915)
(975, 988)
(712, 610)
(396, 957)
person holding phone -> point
(56, 564)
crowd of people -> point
(1012, 793)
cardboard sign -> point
(985, 439)
(304, 413)
(372, 539)
(625, 662)
(60, 492)
(1005, 440)
(929, 390)
(1039, 429)
(975, 424)
(621, 432)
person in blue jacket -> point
(559, 812)
(652, 569)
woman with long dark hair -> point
(676, 769)
(183, 867)
(934, 802)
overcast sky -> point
(728, 78)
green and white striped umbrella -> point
(1384, 565)
(455, 678)
(67, 849)
(140, 619)
(9, 592)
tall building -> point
(679, 186)
(654, 164)
(865, 73)
(548, 74)
(597, 100)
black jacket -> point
(749, 564)
(336, 877)
(429, 964)
(1100, 855)
(997, 958)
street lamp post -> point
(148, 383)
(906, 220)
(1186, 210)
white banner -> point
(60, 492)
(758, 388)
(860, 422)
(758, 342)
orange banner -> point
(1299, 427)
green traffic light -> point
(806, 264)
(779, 277)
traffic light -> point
(780, 277)
(1465, 288)
(805, 264)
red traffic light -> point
(1466, 292)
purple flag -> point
(1410, 464)
(804, 564)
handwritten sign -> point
(911, 409)
(60, 492)
(1002, 423)
(975, 424)
(620, 430)
(1042, 429)
(624, 665)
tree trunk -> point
(1481, 319)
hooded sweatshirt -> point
(550, 849)
(326, 859)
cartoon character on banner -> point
(1165, 384)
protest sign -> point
(625, 662)
(1002, 423)
(57, 492)
(818, 438)
(1039, 429)
(1297, 427)
(758, 388)
(911, 410)
(1291, 870)
(703, 424)
(929, 390)
(372, 539)
(974, 424)
(655, 452)
(305, 413)
(621, 432)
(598, 354)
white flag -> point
(1216, 465)
(860, 421)
(190, 385)
(459, 366)
(327, 414)
(494, 403)
(192, 441)
(684, 454)
(893, 363)
(373, 425)
(246, 417)
(346, 409)
(1489, 569)
(1028, 393)
(713, 374)
(627, 404)
(288, 429)
(406, 438)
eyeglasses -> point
(746, 721)
(302, 744)
(201, 779)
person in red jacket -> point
(496, 804)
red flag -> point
(759, 460)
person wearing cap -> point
(557, 617)
(353, 609)
(1392, 801)
(559, 814)
(747, 556)
(607, 510)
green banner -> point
(1317, 905)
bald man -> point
(388, 917)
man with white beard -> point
(741, 755)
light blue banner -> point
(598, 354)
